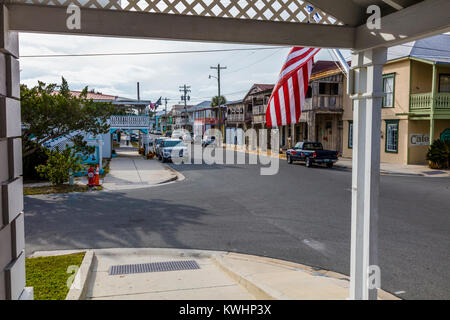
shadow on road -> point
(105, 220)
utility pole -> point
(138, 97)
(218, 68)
(185, 89)
(165, 112)
(138, 93)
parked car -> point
(133, 137)
(184, 135)
(208, 141)
(156, 146)
(311, 153)
(176, 134)
(173, 148)
(197, 139)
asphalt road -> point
(300, 214)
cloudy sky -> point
(159, 75)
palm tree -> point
(216, 101)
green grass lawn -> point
(63, 188)
(48, 275)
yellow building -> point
(416, 109)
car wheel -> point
(308, 162)
(330, 165)
(289, 159)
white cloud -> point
(159, 75)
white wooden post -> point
(365, 89)
(100, 151)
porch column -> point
(293, 142)
(365, 89)
(433, 103)
(12, 238)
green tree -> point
(57, 167)
(217, 101)
(50, 111)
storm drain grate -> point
(153, 267)
(433, 172)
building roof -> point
(258, 88)
(94, 95)
(264, 87)
(435, 49)
(201, 105)
(234, 102)
(324, 68)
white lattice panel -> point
(269, 10)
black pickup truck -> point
(311, 152)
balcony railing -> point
(423, 102)
(318, 102)
(260, 109)
(130, 122)
(442, 101)
(259, 118)
(235, 117)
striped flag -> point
(288, 96)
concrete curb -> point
(257, 290)
(178, 176)
(79, 286)
(265, 293)
(159, 252)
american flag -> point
(288, 96)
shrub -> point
(32, 161)
(56, 169)
(438, 154)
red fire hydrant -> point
(91, 177)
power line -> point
(146, 53)
(259, 61)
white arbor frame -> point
(271, 22)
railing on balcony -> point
(423, 101)
(130, 122)
(260, 109)
(331, 102)
(420, 101)
(442, 101)
(239, 117)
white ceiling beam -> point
(117, 23)
(424, 19)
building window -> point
(388, 89)
(309, 92)
(350, 134)
(328, 88)
(444, 83)
(391, 136)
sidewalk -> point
(346, 163)
(129, 170)
(395, 168)
(220, 275)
